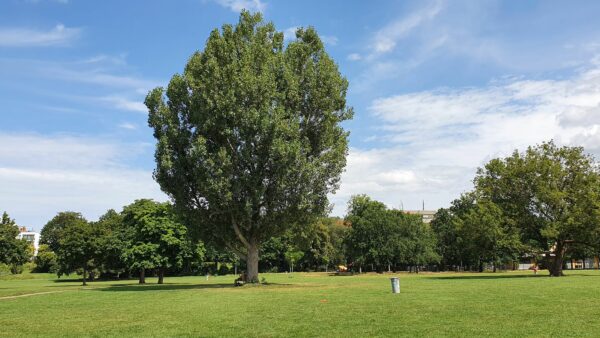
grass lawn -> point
(506, 304)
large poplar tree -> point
(249, 140)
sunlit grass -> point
(316, 304)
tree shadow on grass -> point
(174, 286)
(507, 276)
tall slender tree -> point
(249, 140)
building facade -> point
(30, 236)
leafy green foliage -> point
(381, 237)
(77, 247)
(13, 252)
(45, 261)
(293, 256)
(249, 141)
(52, 232)
(550, 194)
(159, 241)
(114, 239)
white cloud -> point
(435, 140)
(290, 33)
(110, 72)
(128, 126)
(25, 37)
(386, 38)
(354, 57)
(41, 175)
(329, 40)
(123, 103)
(238, 5)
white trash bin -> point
(395, 284)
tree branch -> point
(236, 251)
(239, 234)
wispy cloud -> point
(434, 140)
(238, 5)
(385, 39)
(128, 126)
(58, 172)
(124, 103)
(354, 57)
(329, 40)
(26, 37)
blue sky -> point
(439, 88)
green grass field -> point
(506, 304)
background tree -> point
(77, 248)
(368, 232)
(45, 261)
(159, 239)
(338, 230)
(52, 231)
(272, 252)
(550, 193)
(486, 236)
(114, 239)
(385, 238)
(13, 252)
(249, 140)
(292, 256)
(315, 242)
(415, 244)
(448, 241)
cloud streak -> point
(60, 35)
(238, 5)
(385, 40)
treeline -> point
(148, 237)
(540, 205)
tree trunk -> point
(252, 263)
(84, 273)
(161, 275)
(556, 264)
(142, 276)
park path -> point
(31, 294)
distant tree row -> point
(145, 236)
(541, 204)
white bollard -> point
(395, 284)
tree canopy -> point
(551, 194)
(77, 248)
(249, 141)
(13, 252)
(159, 241)
(51, 232)
(384, 237)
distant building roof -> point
(427, 214)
